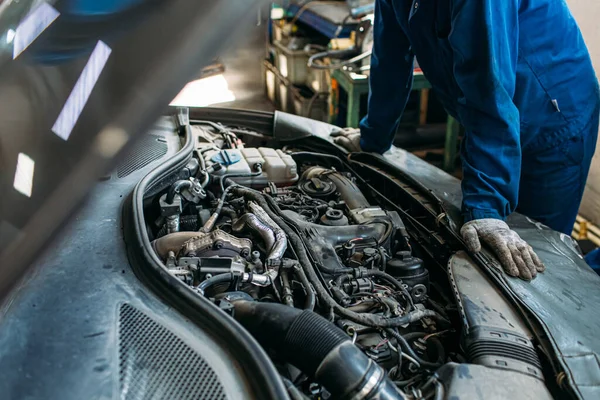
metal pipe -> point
(252, 222)
(273, 236)
(172, 242)
(280, 246)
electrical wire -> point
(409, 358)
(270, 206)
(408, 349)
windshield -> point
(79, 79)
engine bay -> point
(298, 249)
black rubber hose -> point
(439, 348)
(222, 178)
(269, 204)
(317, 347)
(309, 303)
(300, 337)
(210, 223)
(338, 290)
(229, 212)
(409, 350)
(175, 188)
(215, 280)
(383, 258)
(441, 310)
(339, 281)
(390, 279)
(288, 297)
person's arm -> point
(484, 39)
(485, 43)
(390, 80)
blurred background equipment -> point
(317, 66)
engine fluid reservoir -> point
(277, 167)
(410, 270)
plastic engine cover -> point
(277, 167)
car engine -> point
(290, 245)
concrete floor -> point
(242, 80)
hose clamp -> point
(371, 383)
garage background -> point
(587, 13)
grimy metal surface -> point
(60, 333)
(153, 50)
(564, 299)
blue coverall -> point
(517, 75)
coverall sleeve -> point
(390, 80)
(484, 40)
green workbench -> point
(357, 85)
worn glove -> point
(516, 256)
(348, 138)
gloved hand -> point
(348, 138)
(516, 256)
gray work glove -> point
(348, 138)
(516, 256)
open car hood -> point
(79, 83)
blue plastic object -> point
(593, 260)
(227, 157)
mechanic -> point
(519, 78)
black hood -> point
(79, 82)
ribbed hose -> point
(373, 320)
(318, 348)
(301, 337)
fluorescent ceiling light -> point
(81, 92)
(10, 35)
(24, 175)
(277, 13)
(31, 27)
(204, 92)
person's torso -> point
(556, 87)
